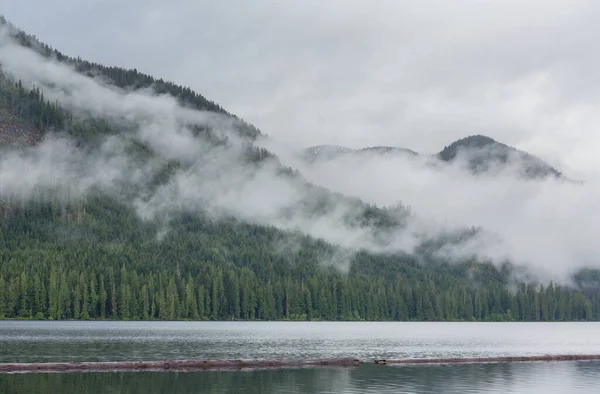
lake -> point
(33, 341)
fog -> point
(215, 180)
(413, 73)
(548, 225)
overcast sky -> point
(414, 73)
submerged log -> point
(174, 365)
(501, 359)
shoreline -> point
(25, 319)
(253, 365)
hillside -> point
(480, 153)
(15, 131)
(154, 213)
(329, 152)
(16, 128)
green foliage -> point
(96, 260)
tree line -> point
(228, 293)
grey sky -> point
(412, 73)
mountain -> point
(480, 154)
(127, 197)
(483, 153)
(387, 150)
(329, 152)
(324, 152)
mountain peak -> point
(477, 141)
(484, 152)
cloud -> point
(217, 180)
(414, 73)
(548, 225)
(95, 97)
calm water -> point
(108, 341)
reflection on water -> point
(31, 341)
(558, 377)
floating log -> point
(501, 359)
(175, 365)
(237, 365)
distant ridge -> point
(329, 152)
(481, 153)
(324, 152)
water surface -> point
(566, 377)
(33, 341)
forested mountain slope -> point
(134, 245)
(483, 152)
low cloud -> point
(217, 180)
(548, 225)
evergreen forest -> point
(64, 255)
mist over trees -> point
(71, 255)
(97, 260)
